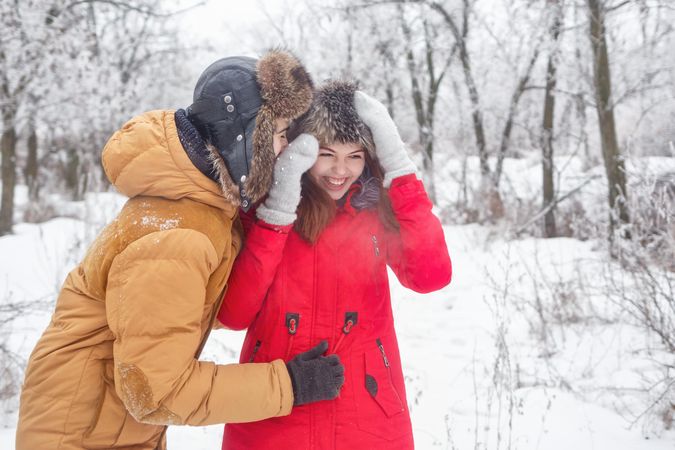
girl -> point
(322, 276)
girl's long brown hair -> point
(317, 209)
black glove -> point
(315, 377)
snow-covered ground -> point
(482, 372)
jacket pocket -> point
(380, 404)
(379, 383)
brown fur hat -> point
(237, 101)
(286, 90)
(333, 117)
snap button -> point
(292, 322)
(239, 138)
(227, 99)
(230, 108)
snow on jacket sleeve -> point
(252, 274)
(417, 253)
(154, 305)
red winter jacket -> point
(291, 295)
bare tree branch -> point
(553, 204)
(131, 7)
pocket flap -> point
(379, 385)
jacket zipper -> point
(312, 406)
(255, 351)
(351, 318)
(386, 364)
(384, 355)
(376, 249)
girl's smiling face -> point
(337, 167)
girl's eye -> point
(325, 154)
(356, 157)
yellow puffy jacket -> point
(119, 359)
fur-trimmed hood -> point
(145, 157)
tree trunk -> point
(8, 148)
(30, 171)
(72, 170)
(549, 113)
(347, 71)
(429, 171)
(489, 189)
(476, 114)
(427, 128)
(614, 164)
(423, 116)
(389, 92)
(513, 110)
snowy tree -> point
(73, 71)
(555, 26)
(614, 164)
(31, 41)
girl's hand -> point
(284, 196)
(389, 147)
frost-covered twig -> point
(552, 205)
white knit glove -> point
(284, 196)
(389, 147)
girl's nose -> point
(340, 168)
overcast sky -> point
(224, 22)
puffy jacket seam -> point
(37, 391)
(161, 258)
(126, 335)
(72, 402)
(167, 258)
(124, 169)
(128, 163)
